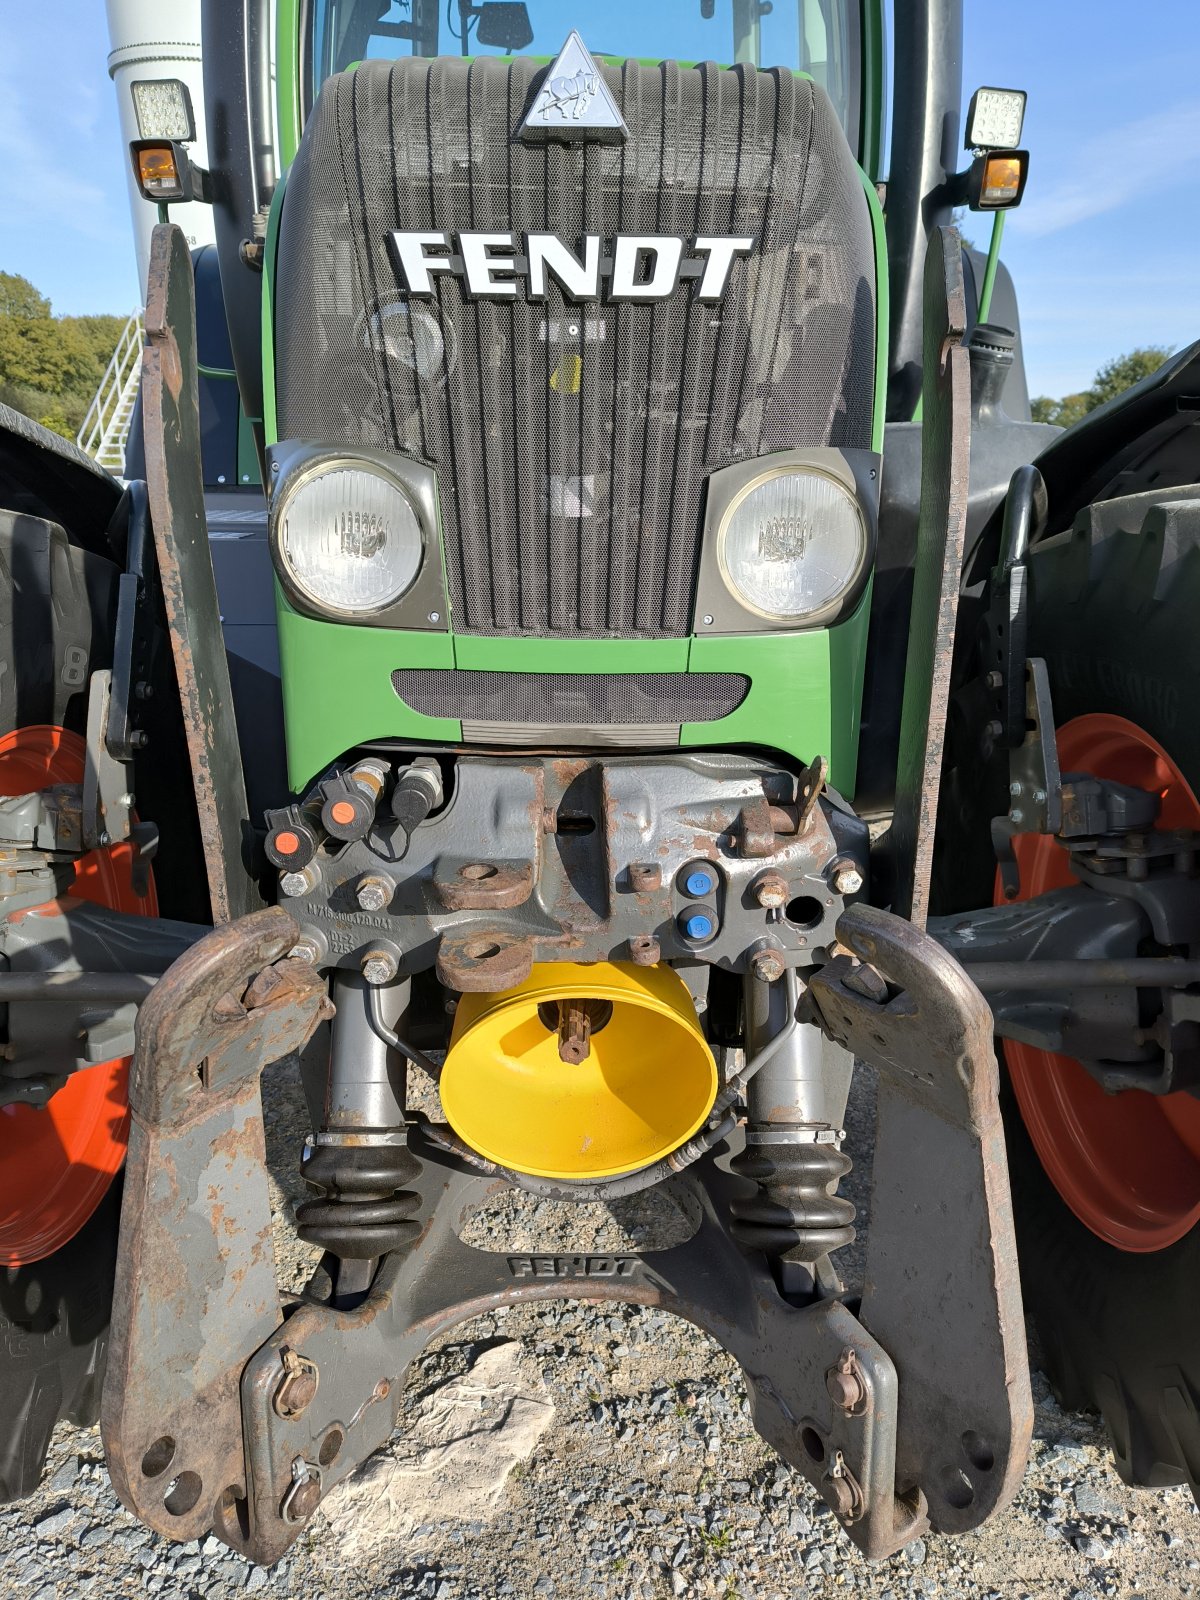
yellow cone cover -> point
(647, 1084)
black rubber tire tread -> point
(54, 631)
(54, 1319)
(1115, 613)
(56, 627)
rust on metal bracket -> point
(195, 1292)
(756, 829)
(486, 886)
(175, 486)
(483, 961)
(942, 1291)
(941, 531)
(218, 1411)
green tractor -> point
(665, 665)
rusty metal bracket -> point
(170, 399)
(195, 1293)
(942, 1291)
(226, 1411)
(941, 530)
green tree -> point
(1113, 378)
(18, 298)
(50, 366)
(45, 353)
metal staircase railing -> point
(105, 428)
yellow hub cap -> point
(581, 1071)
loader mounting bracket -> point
(1075, 806)
(231, 1410)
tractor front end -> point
(573, 387)
(569, 374)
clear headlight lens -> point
(350, 539)
(792, 544)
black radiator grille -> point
(571, 699)
(572, 441)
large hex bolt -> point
(309, 949)
(374, 893)
(299, 881)
(846, 877)
(771, 891)
(379, 966)
(767, 965)
(297, 1388)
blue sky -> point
(1105, 249)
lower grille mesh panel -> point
(572, 699)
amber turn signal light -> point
(997, 180)
(162, 170)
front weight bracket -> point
(195, 1292)
(942, 1292)
(226, 1411)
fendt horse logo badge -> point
(569, 96)
(574, 100)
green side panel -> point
(883, 312)
(287, 79)
(805, 697)
(472, 651)
(848, 670)
(270, 424)
(337, 688)
(873, 91)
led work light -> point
(791, 544)
(163, 107)
(346, 537)
(994, 119)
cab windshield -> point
(819, 37)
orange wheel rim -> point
(1128, 1164)
(57, 1164)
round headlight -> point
(792, 543)
(349, 539)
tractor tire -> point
(1114, 610)
(54, 1312)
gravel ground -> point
(648, 1480)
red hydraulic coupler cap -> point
(346, 812)
(291, 840)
